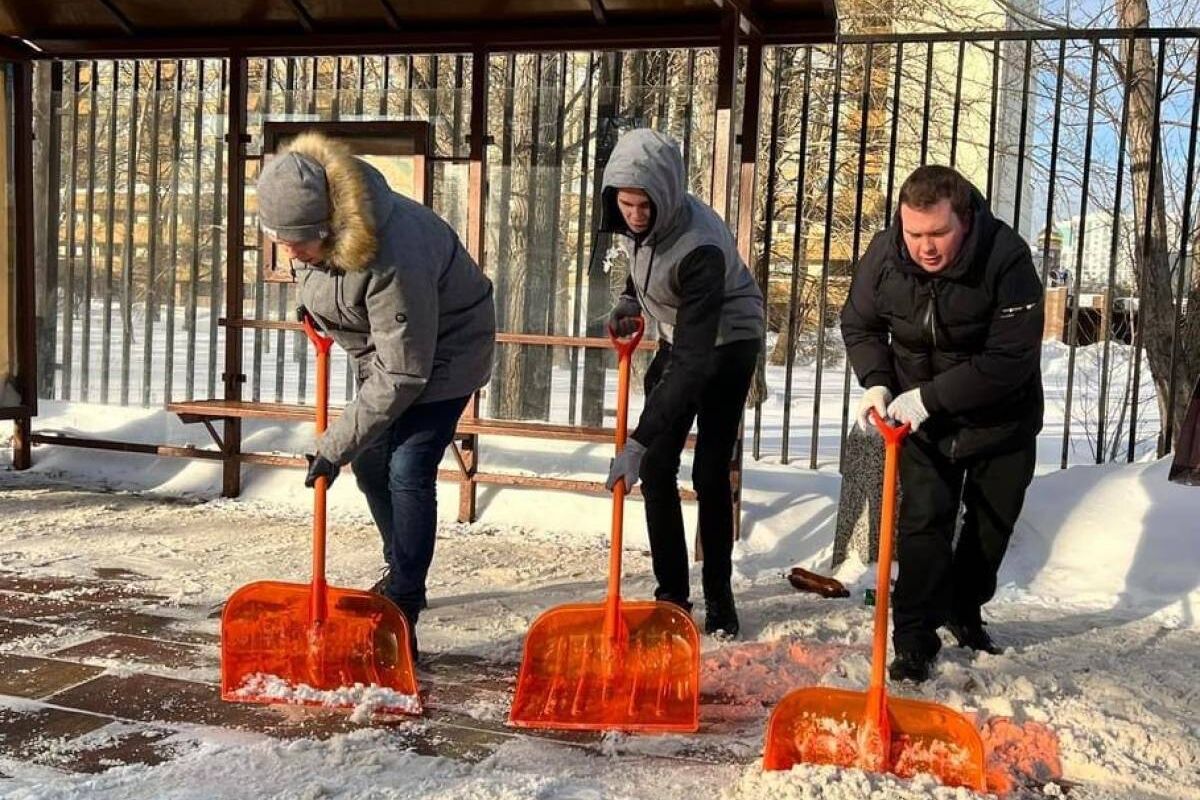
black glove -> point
(301, 313)
(320, 467)
(621, 320)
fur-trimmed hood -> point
(353, 240)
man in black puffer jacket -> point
(943, 327)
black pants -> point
(717, 410)
(939, 581)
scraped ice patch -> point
(763, 672)
(365, 700)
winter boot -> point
(972, 635)
(720, 615)
(910, 666)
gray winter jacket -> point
(400, 293)
(647, 160)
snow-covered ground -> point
(1098, 605)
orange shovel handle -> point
(893, 435)
(625, 349)
(322, 343)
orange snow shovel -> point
(869, 730)
(611, 665)
(309, 642)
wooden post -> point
(476, 208)
(233, 377)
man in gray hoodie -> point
(392, 284)
(686, 275)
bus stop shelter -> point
(238, 30)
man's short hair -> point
(929, 185)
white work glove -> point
(908, 408)
(877, 397)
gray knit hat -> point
(293, 199)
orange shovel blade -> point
(818, 725)
(574, 675)
(267, 630)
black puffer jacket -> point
(969, 336)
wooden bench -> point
(465, 447)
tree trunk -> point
(1156, 301)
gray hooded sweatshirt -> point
(400, 293)
(648, 160)
(685, 273)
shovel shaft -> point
(322, 344)
(893, 435)
(612, 607)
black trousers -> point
(942, 581)
(717, 411)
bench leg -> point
(22, 459)
(466, 488)
(231, 483)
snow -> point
(364, 700)
(1097, 604)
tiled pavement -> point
(112, 694)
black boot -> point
(720, 615)
(910, 666)
(663, 596)
(380, 586)
(972, 635)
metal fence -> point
(1084, 141)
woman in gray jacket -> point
(392, 284)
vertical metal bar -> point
(457, 104)
(1185, 237)
(928, 103)
(24, 259)
(408, 90)
(173, 232)
(856, 240)
(299, 340)
(688, 114)
(824, 299)
(89, 238)
(194, 272)
(234, 250)
(798, 256)
(746, 198)
(1072, 336)
(555, 204)
(129, 249)
(362, 86)
(1102, 404)
(891, 178)
(581, 221)
(152, 244)
(214, 271)
(958, 75)
(284, 288)
(68, 349)
(1021, 136)
(1152, 178)
(383, 90)
(1058, 92)
(992, 120)
(110, 210)
(47, 354)
(335, 109)
(260, 285)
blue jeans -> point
(398, 474)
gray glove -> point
(909, 407)
(626, 466)
(621, 320)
